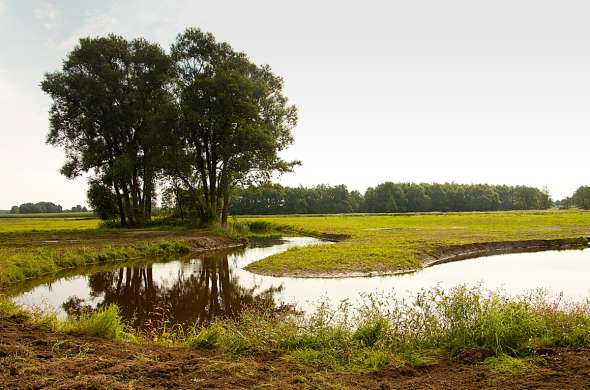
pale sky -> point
(424, 91)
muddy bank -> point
(471, 251)
(331, 237)
(33, 358)
(212, 243)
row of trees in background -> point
(388, 198)
(43, 207)
(201, 118)
(580, 199)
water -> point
(197, 289)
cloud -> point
(95, 24)
(47, 15)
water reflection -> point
(197, 294)
(187, 291)
(200, 289)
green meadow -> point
(389, 243)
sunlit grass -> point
(389, 243)
(105, 323)
(506, 364)
(14, 225)
(387, 331)
(39, 261)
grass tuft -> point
(105, 323)
(508, 365)
(8, 308)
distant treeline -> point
(43, 207)
(388, 198)
(580, 199)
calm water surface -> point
(197, 289)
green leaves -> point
(204, 116)
(113, 114)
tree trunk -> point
(225, 211)
(120, 204)
(135, 196)
(127, 204)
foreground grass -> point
(104, 323)
(383, 332)
(510, 330)
(390, 243)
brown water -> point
(198, 289)
(184, 291)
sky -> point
(425, 91)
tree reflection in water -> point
(209, 290)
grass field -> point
(85, 214)
(37, 224)
(509, 332)
(388, 243)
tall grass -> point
(384, 330)
(104, 323)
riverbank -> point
(39, 247)
(33, 358)
(461, 339)
(369, 245)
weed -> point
(106, 323)
(508, 365)
(8, 308)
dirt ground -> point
(36, 359)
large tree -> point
(234, 122)
(113, 112)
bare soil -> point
(35, 359)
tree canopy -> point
(113, 113)
(39, 207)
(202, 116)
(581, 198)
(388, 197)
(206, 126)
(234, 121)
